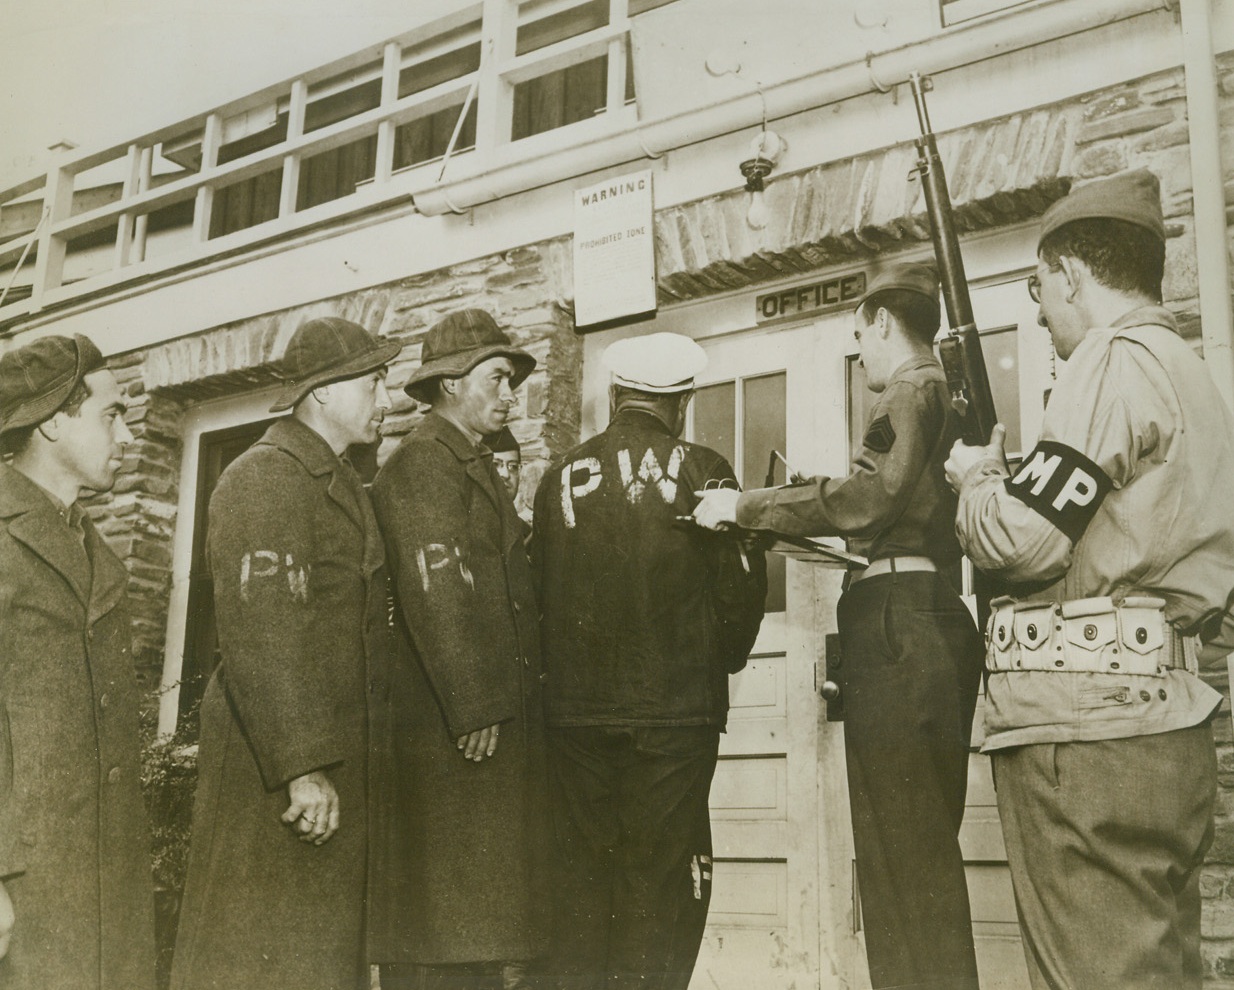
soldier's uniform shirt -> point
(892, 503)
(1136, 406)
(911, 662)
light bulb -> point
(756, 215)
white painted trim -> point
(206, 417)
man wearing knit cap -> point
(1118, 532)
(76, 905)
(287, 795)
(465, 897)
(912, 653)
(644, 619)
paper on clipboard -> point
(815, 552)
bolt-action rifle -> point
(960, 350)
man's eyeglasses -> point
(1034, 283)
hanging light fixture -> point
(766, 149)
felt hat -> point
(457, 343)
(35, 380)
(1134, 197)
(656, 362)
(329, 349)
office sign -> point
(804, 299)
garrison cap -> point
(457, 343)
(35, 380)
(329, 349)
(657, 362)
(909, 277)
(1134, 197)
(502, 442)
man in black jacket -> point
(644, 618)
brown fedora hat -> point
(456, 344)
(329, 349)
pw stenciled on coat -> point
(300, 592)
(74, 841)
(466, 876)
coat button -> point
(90, 634)
(517, 608)
(544, 678)
(113, 775)
(1145, 696)
(1161, 694)
(104, 700)
(1090, 631)
(1032, 632)
(1141, 635)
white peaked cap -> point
(657, 362)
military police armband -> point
(1061, 484)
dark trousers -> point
(912, 659)
(1106, 840)
(634, 854)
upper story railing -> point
(519, 85)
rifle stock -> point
(960, 351)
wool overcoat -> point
(74, 840)
(466, 857)
(300, 595)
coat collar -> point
(641, 418)
(311, 450)
(477, 461)
(33, 519)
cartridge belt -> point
(1086, 635)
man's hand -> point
(479, 744)
(313, 813)
(964, 457)
(6, 920)
(717, 508)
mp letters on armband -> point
(1063, 485)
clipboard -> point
(811, 551)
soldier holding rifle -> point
(912, 654)
(1120, 531)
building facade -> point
(437, 171)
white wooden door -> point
(782, 873)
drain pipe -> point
(1208, 195)
(950, 50)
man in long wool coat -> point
(465, 901)
(75, 893)
(278, 867)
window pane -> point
(336, 173)
(1002, 360)
(434, 71)
(428, 137)
(560, 98)
(545, 31)
(715, 415)
(246, 203)
(765, 428)
(860, 399)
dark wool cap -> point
(1133, 196)
(502, 442)
(909, 277)
(35, 380)
(456, 344)
(329, 349)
